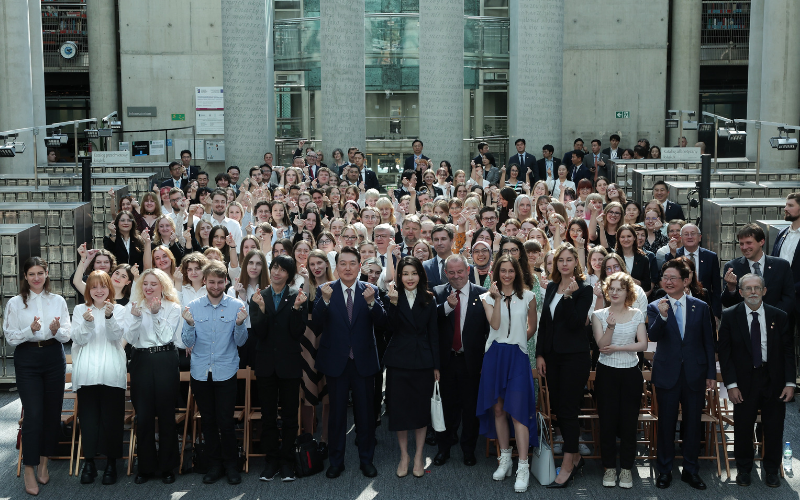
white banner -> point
(111, 157)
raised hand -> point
(598, 290)
(135, 271)
(146, 236)
(88, 316)
(369, 295)
(452, 299)
(108, 308)
(258, 299)
(238, 287)
(230, 241)
(493, 291)
(302, 271)
(658, 225)
(36, 325)
(112, 229)
(154, 304)
(82, 250)
(327, 292)
(673, 245)
(573, 285)
(300, 300)
(392, 293)
(135, 310)
(731, 279)
(55, 324)
(663, 306)
(241, 315)
(611, 321)
(187, 316)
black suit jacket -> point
(170, 182)
(641, 271)
(565, 332)
(673, 211)
(408, 163)
(708, 276)
(542, 169)
(413, 333)
(529, 163)
(117, 247)
(607, 151)
(736, 351)
(777, 276)
(475, 331)
(278, 332)
(370, 179)
(795, 264)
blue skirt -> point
(506, 374)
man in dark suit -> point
(579, 169)
(777, 273)
(526, 162)
(578, 146)
(176, 178)
(547, 166)
(706, 264)
(411, 228)
(671, 210)
(442, 239)
(463, 330)
(483, 148)
(347, 312)
(683, 368)
(756, 357)
(416, 160)
(600, 165)
(786, 245)
(366, 175)
(614, 151)
(190, 171)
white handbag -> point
(543, 467)
(437, 413)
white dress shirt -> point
(790, 244)
(411, 296)
(695, 258)
(682, 301)
(464, 293)
(153, 330)
(762, 261)
(98, 357)
(233, 227)
(186, 294)
(762, 322)
(45, 306)
(513, 321)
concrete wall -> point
(166, 50)
(615, 59)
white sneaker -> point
(610, 478)
(625, 478)
(504, 466)
(558, 445)
(583, 449)
(523, 477)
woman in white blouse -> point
(98, 374)
(506, 386)
(620, 333)
(37, 323)
(152, 326)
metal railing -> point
(725, 33)
(65, 40)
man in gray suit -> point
(600, 165)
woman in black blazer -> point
(124, 240)
(279, 363)
(412, 359)
(562, 351)
(628, 249)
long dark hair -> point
(527, 278)
(126, 290)
(581, 223)
(136, 239)
(422, 286)
(24, 287)
(636, 250)
(518, 281)
(694, 285)
(478, 233)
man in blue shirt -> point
(214, 328)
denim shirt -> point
(214, 338)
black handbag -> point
(308, 461)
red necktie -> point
(457, 326)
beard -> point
(790, 218)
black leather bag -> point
(308, 461)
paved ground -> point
(453, 481)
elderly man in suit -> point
(525, 160)
(706, 264)
(777, 273)
(347, 311)
(683, 368)
(756, 357)
(463, 330)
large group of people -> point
(470, 277)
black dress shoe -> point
(430, 437)
(214, 474)
(110, 474)
(89, 472)
(441, 458)
(142, 478)
(334, 471)
(470, 460)
(772, 480)
(322, 449)
(743, 479)
(369, 470)
(664, 480)
(168, 477)
(693, 480)
(555, 485)
(233, 474)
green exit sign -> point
(623, 114)
(178, 117)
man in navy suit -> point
(347, 312)
(671, 210)
(367, 176)
(442, 239)
(683, 368)
(417, 162)
(614, 151)
(463, 330)
(578, 145)
(526, 162)
(176, 178)
(579, 169)
(786, 246)
(706, 264)
(190, 171)
(547, 165)
(777, 273)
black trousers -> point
(40, 382)
(567, 374)
(363, 414)
(459, 390)
(101, 409)
(284, 392)
(217, 402)
(619, 394)
(691, 402)
(773, 411)
(155, 382)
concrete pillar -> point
(343, 74)
(684, 83)
(318, 124)
(780, 76)
(101, 16)
(249, 80)
(536, 74)
(754, 74)
(465, 131)
(305, 114)
(37, 77)
(441, 82)
(16, 95)
(479, 113)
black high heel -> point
(579, 466)
(555, 485)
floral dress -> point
(538, 292)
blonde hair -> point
(627, 283)
(167, 289)
(217, 253)
(386, 203)
(157, 236)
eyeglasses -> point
(350, 237)
(613, 269)
(749, 289)
(671, 278)
(488, 219)
(512, 251)
(651, 219)
(618, 214)
(483, 251)
(325, 242)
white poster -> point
(680, 154)
(210, 122)
(125, 146)
(157, 147)
(209, 98)
(111, 157)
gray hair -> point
(384, 227)
(456, 257)
(691, 225)
(749, 276)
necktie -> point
(757, 268)
(383, 261)
(350, 313)
(595, 169)
(691, 256)
(442, 276)
(679, 317)
(457, 325)
(521, 160)
(755, 340)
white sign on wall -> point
(210, 122)
(680, 154)
(111, 157)
(209, 98)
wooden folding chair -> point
(648, 420)
(188, 411)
